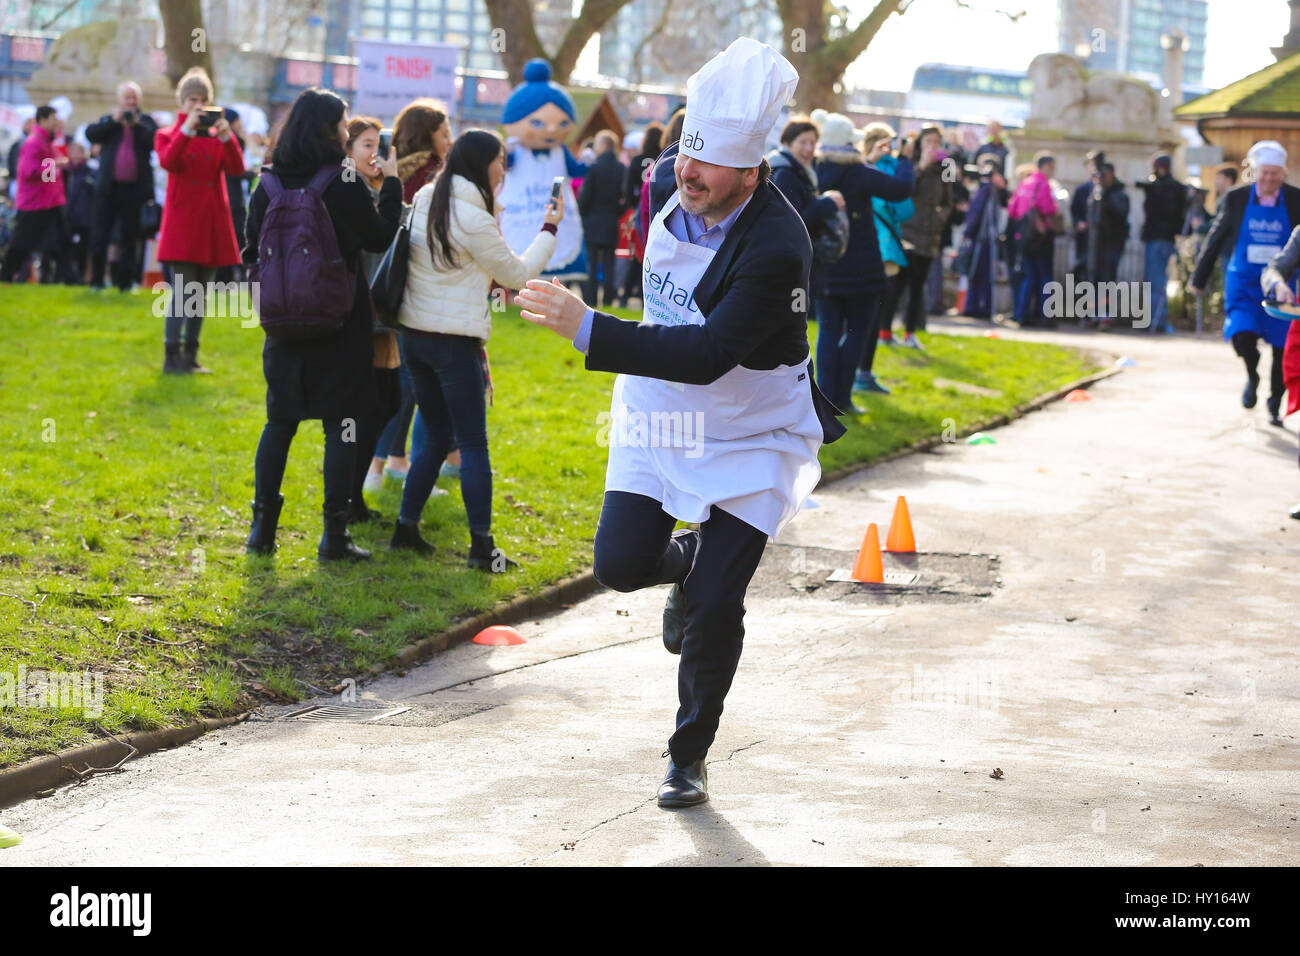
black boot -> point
(266, 517)
(406, 537)
(190, 356)
(359, 512)
(486, 556)
(173, 361)
(336, 544)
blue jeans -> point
(447, 377)
(1155, 269)
(392, 440)
(844, 325)
(1036, 270)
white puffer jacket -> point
(455, 302)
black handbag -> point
(388, 283)
(150, 219)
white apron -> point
(747, 443)
(524, 196)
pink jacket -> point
(1034, 193)
(37, 188)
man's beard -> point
(711, 203)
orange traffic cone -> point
(900, 529)
(498, 635)
(867, 566)
(1078, 395)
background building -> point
(1124, 35)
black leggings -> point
(1246, 344)
(340, 451)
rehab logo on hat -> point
(732, 103)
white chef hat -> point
(733, 101)
(1267, 152)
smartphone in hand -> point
(385, 142)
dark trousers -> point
(189, 282)
(369, 426)
(447, 375)
(118, 206)
(601, 257)
(273, 453)
(917, 274)
(632, 281)
(1246, 344)
(979, 292)
(1036, 272)
(43, 231)
(846, 336)
(636, 548)
(392, 441)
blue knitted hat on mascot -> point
(535, 92)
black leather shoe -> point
(1251, 395)
(407, 538)
(684, 786)
(1295, 512)
(1275, 412)
(675, 620)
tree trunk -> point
(821, 62)
(518, 41)
(184, 47)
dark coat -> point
(1108, 215)
(108, 133)
(235, 192)
(634, 179)
(749, 297)
(1222, 237)
(79, 187)
(600, 201)
(927, 229)
(330, 377)
(1164, 208)
(790, 176)
(860, 270)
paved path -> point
(1134, 676)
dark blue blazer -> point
(754, 298)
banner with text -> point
(390, 75)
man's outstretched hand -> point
(552, 305)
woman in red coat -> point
(196, 236)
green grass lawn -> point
(125, 507)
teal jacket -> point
(889, 215)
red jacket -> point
(196, 224)
(1291, 368)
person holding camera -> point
(123, 184)
(457, 251)
(197, 236)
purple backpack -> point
(305, 288)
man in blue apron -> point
(715, 418)
(1253, 223)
